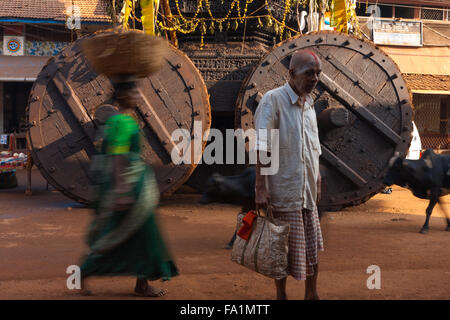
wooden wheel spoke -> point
(75, 105)
(342, 167)
(153, 121)
(357, 108)
(357, 80)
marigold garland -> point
(236, 15)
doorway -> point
(15, 100)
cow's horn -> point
(392, 160)
(428, 163)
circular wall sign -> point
(13, 45)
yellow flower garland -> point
(186, 25)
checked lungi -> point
(305, 241)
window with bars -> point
(432, 118)
(432, 14)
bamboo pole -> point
(133, 10)
(169, 17)
(114, 17)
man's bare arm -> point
(319, 188)
(262, 196)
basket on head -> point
(125, 52)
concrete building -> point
(416, 34)
(31, 31)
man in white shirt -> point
(416, 146)
(293, 191)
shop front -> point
(427, 73)
(17, 74)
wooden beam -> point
(343, 168)
(154, 122)
(73, 102)
(353, 105)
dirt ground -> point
(41, 235)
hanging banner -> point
(126, 11)
(13, 45)
(343, 16)
(149, 15)
(339, 15)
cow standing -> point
(427, 178)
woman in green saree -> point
(123, 238)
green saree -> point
(126, 241)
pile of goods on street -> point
(10, 161)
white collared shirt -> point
(294, 186)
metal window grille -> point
(432, 14)
(432, 120)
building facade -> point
(416, 34)
(31, 31)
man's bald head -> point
(303, 59)
(304, 70)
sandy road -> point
(43, 234)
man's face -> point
(304, 78)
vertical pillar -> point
(416, 13)
(448, 120)
(1, 107)
(444, 118)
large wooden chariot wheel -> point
(363, 106)
(63, 132)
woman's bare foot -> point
(142, 289)
(151, 292)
